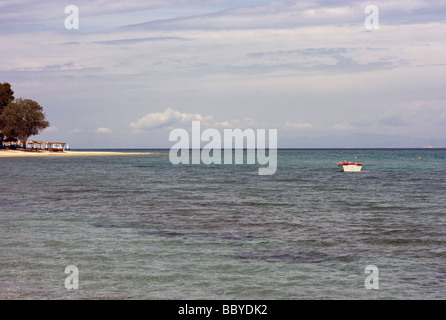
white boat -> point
(349, 166)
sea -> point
(139, 227)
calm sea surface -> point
(137, 227)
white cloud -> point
(165, 119)
(295, 125)
(170, 118)
(76, 131)
(157, 120)
(104, 130)
(51, 129)
(343, 126)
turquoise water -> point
(137, 227)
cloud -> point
(56, 67)
(324, 59)
(165, 119)
(51, 129)
(345, 126)
(76, 131)
(104, 130)
(392, 121)
(26, 10)
(294, 14)
(183, 15)
(170, 118)
(157, 120)
(136, 40)
(295, 125)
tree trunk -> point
(24, 139)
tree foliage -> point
(23, 118)
(6, 95)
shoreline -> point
(30, 154)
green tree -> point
(6, 96)
(23, 118)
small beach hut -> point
(40, 144)
(11, 142)
(31, 144)
(36, 145)
(56, 146)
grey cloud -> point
(301, 52)
(387, 121)
(284, 14)
(137, 40)
(393, 121)
(342, 64)
(54, 67)
(31, 10)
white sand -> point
(16, 153)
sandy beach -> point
(16, 153)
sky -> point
(135, 70)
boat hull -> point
(349, 167)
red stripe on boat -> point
(350, 164)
